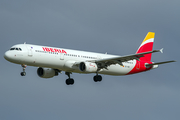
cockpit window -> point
(19, 49)
(12, 48)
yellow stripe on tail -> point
(150, 35)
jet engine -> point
(88, 67)
(46, 72)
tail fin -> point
(146, 46)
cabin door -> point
(61, 56)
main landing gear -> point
(97, 78)
(24, 67)
(69, 81)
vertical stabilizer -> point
(146, 46)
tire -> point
(99, 77)
(69, 81)
(23, 73)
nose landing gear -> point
(24, 67)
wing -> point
(104, 63)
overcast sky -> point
(113, 26)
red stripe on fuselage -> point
(139, 67)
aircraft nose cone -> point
(7, 55)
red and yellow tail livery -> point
(146, 46)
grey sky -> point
(113, 26)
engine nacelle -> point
(88, 67)
(46, 72)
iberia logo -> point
(54, 50)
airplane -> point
(52, 60)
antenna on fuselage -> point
(24, 42)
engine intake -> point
(88, 67)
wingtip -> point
(161, 50)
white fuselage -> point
(62, 59)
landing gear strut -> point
(24, 67)
(97, 78)
(69, 81)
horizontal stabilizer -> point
(149, 65)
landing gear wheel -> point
(69, 81)
(97, 78)
(23, 73)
